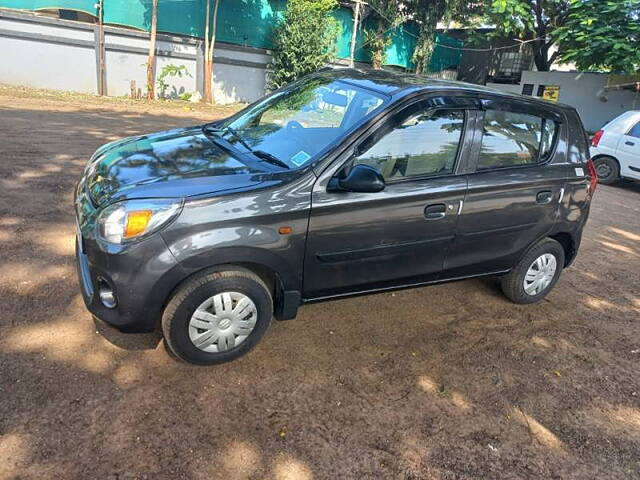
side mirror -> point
(361, 178)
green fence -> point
(243, 22)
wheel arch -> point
(606, 155)
(285, 301)
(568, 244)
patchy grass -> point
(119, 103)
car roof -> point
(401, 84)
(622, 123)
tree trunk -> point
(426, 43)
(209, 44)
(541, 55)
(378, 50)
(354, 33)
(151, 60)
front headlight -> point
(127, 221)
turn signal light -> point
(137, 222)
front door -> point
(399, 236)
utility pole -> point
(354, 33)
(100, 50)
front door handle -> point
(544, 197)
(435, 211)
(631, 144)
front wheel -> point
(217, 316)
(536, 274)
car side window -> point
(635, 131)
(512, 139)
(421, 142)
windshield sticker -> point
(300, 157)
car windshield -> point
(292, 127)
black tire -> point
(178, 312)
(513, 283)
(608, 170)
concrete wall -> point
(584, 91)
(46, 55)
(61, 54)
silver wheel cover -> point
(222, 322)
(540, 274)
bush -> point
(170, 71)
(304, 40)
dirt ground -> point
(442, 382)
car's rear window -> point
(513, 139)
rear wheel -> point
(536, 274)
(607, 169)
(217, 316)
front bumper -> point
(141, 276)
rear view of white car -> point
(615, 149)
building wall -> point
(46, 55)
(585, 92)
(61, 54)
(506, 87)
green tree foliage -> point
(386, 15)
(427, 14)
(305, 40)
(389, 14)
(532, 20)
(602, 35)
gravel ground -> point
(442, 382)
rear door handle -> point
(631, 144)
(435, 211)
(544, 197)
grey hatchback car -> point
(342, 183)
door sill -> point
(356, 293)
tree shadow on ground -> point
(449, 381)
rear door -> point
(515, 189)
(629, 153)
(368, 241)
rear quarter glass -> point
(578, 139)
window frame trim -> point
(518, 108)
(335, 162)
(405, 179)
(469, 105)
(628, 134)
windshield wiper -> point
(261, 154)
(267, 157)
(211, 129)
(235, 133)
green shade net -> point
(245, 22)
(345, 20)
(398, 53)
(443, 57)
(87, 6)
